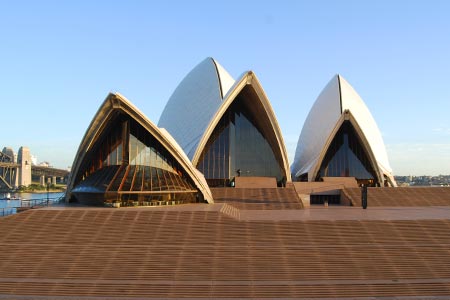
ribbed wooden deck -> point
(185, 251)
(402, 196)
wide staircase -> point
(401, 196)
(150, 253)
(259, 198)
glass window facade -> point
(346, 157)
(238, 146)
(129, 163)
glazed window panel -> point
(173, 185)
(149, 167)
(137, 151)
(126, 185)
(346, 157)
(238, 143)
(137, 182)
(155, 180)
(115, 185)
(111, 148)
(162, 180)
(107, 152)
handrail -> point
(41, 201)
(6, 211)
(31, 203)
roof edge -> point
(218, 77)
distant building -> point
(33, 160)
(45, 164)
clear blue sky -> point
(60, 59)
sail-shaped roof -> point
(203, 97)
(194, 102)
(338, 102)
(116, 104)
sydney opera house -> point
(222, 214)
(216, 131)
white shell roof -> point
(201, 99)
(337, 97)
(194, 102)
(118, 102)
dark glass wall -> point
(239, 147)
(346, 157)
(127, 159)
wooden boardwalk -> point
(222, 251)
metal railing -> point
(6, 211)
(32, 203)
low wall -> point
(348, 182)
(255, 182)
(316, 187)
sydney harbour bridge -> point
(10, 173)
